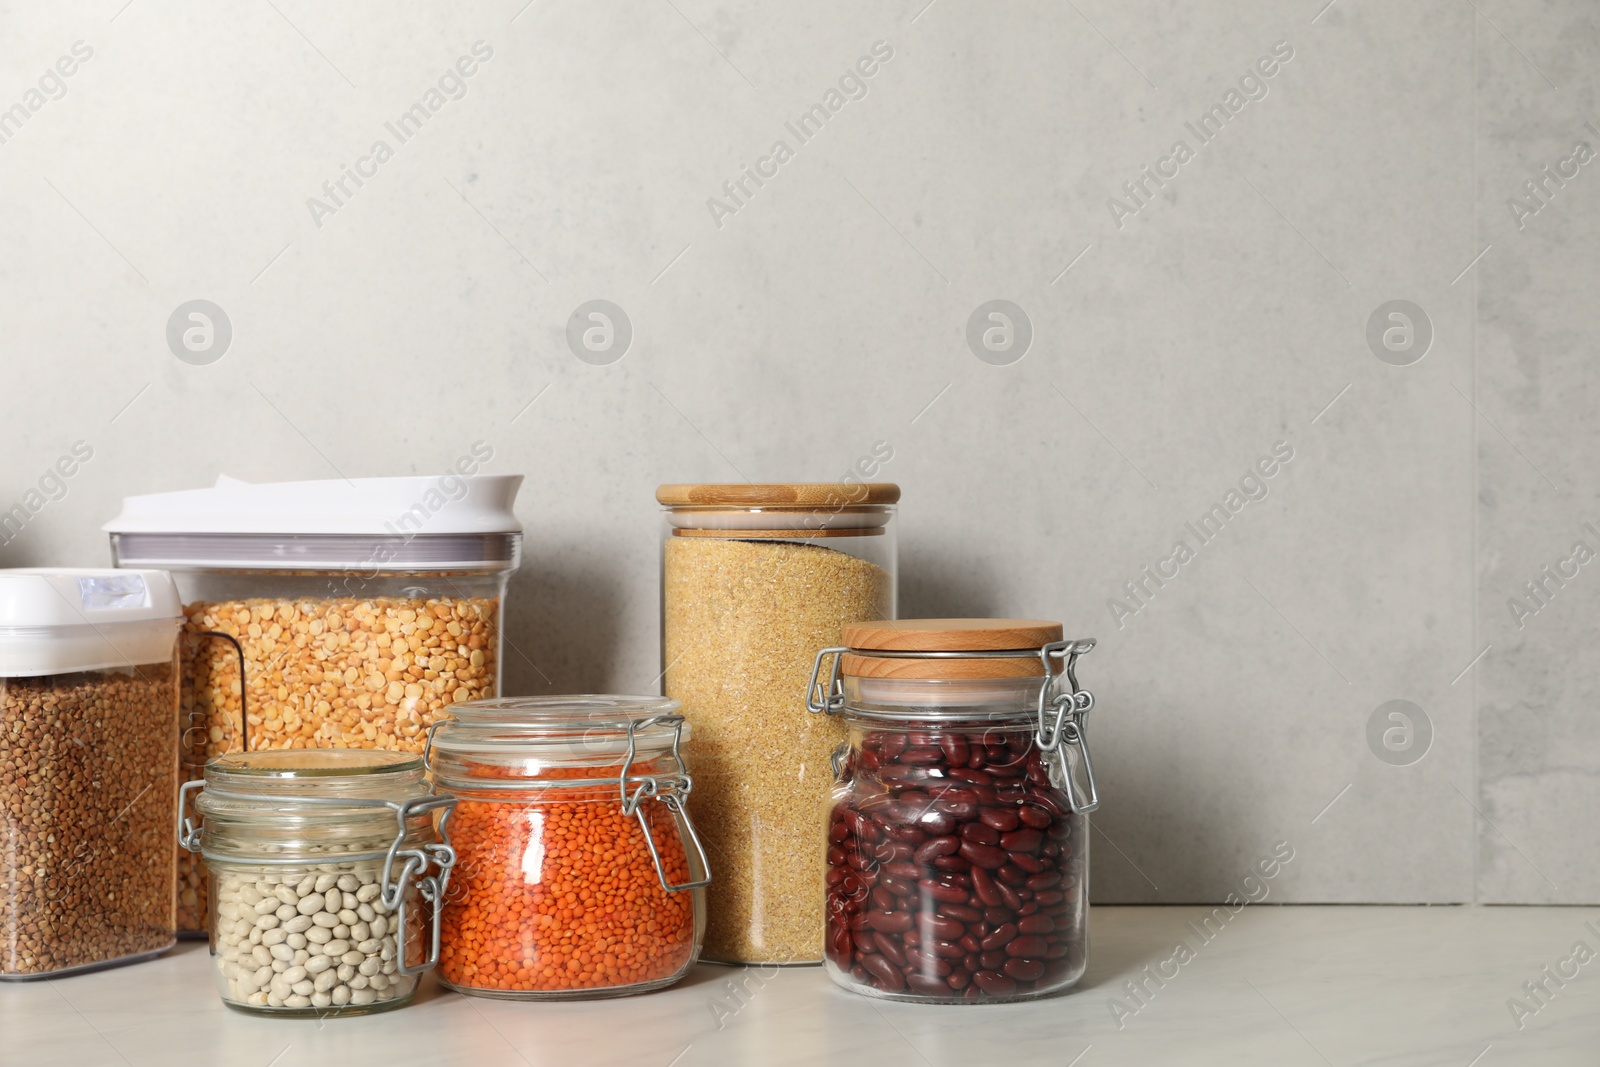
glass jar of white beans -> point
(325, 865)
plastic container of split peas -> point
(578, 871)
(348, 613)
(958, 831)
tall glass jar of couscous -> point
(356, 612)
(754, 578)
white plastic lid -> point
(56, 621)
(411, 523)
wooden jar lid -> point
(947, 635)
(780, 495)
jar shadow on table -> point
(564, 619)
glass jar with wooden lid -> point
(754, 578)
(958, 839)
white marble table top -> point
(1273, 985)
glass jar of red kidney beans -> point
(958, 832)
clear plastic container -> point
(88, 774)
(754, 579)
(957, 833)
(357, 611)
(324, 867)
(578, 871)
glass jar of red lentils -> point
(958, 833)
(578, 871)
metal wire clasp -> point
(1060, 725)
(827, 700)
(670, 790)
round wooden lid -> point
(951, 635)
(780, 494)
(946, 635)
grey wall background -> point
(1169, 353)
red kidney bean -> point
(1027, 945)
(961, 913)
(1057, 950)
(1036, 924)
(999, 937)
(978, 759)
(952, 894)
(1030, 864)
(890, 922)
(859, 973)
(994, 983)
(882, 898)
(909, 834)
(1009, 895)
(1024, 970)
(959, 978)
(902, 869)
(955, 748)
(893, 745)
(911, 938)
(985, 856)
(997, 916)
(898, 886)
(948, 950)
(992, 961)
(887, 974)
(920, 754)
(1021, 840)
(934, 847)
(979, 834)
(959, 810)
(1030, 908)
(1049, 897)
(928, 987)
(970, 962)
(971, 774)
(1051, 850)
(1033, 817)
(950, 863)
(1001, 819)
(1011, 874)
(838, 830)
(983, 885)
(935, 822)
(834, 876)
(889, 947)
(971, 943)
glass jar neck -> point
(887, 701)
